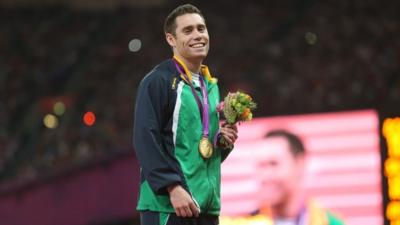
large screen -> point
(343, 170)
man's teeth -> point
(197, 45)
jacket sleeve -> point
(225, 153)
(225, 150)
(159, 166)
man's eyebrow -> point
(188, 27)
(196, 25)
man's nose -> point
(197, 35)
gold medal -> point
(205, 148)
(205, 145)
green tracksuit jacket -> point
(167, 131)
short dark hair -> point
(295, 143)
(170, 21)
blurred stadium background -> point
(69, 72)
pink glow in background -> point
(343, 173)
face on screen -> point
(281, 172)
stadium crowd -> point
(306, 57)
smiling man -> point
(177, 136)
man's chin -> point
(198, 57)
(271, 201)
(271, 198)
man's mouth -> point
(197, 45)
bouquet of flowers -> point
(237, 107)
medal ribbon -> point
(301, 220)
(203, 108)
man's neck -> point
(192, 65)
(290, 208)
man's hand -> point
(182, 202)
(229, 132)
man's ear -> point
(301, 163)
(170, 39)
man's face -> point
(281, 172)
(191, 41)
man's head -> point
(282, 167)
(186, 32)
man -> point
(177, 137)
(283, 172)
